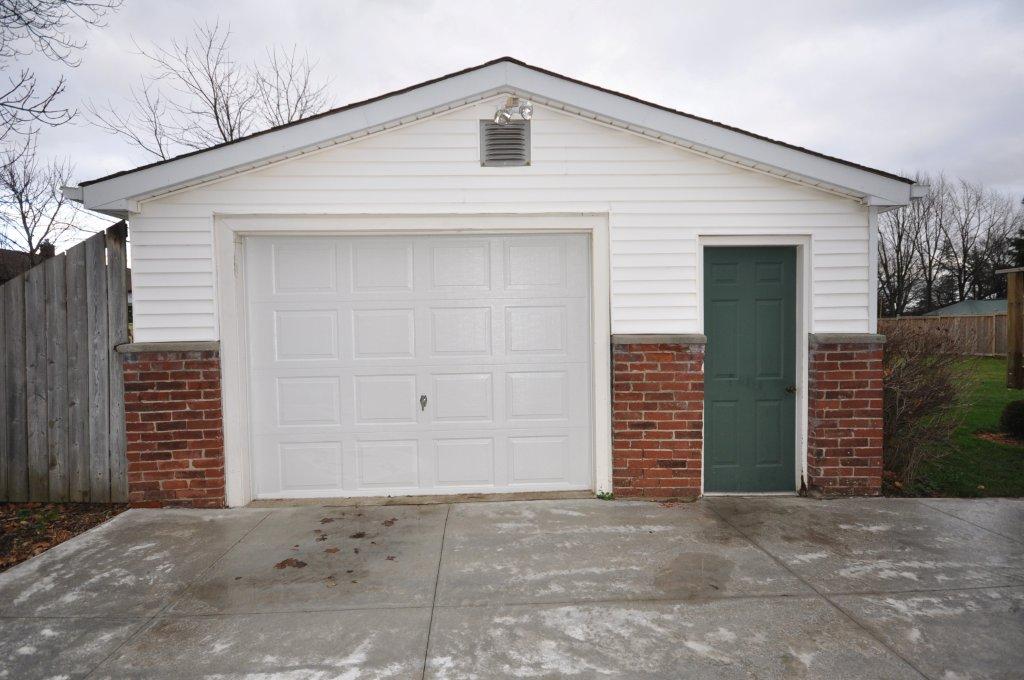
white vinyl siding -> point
(659, 199)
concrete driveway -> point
(722, 588)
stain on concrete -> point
(358, 534)
(694, 576)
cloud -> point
(901, 86)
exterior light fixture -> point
(513, 106)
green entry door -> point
(749, 369)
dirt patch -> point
(390, 522)
(358, 534)
(1000, 438)
(27, 529)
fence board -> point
(3, 397)
(980, 335)
(99, 377)
(117, 329)
(62, 429)
(78, 376)
(17, 435)
(35, 383)
(57, 377)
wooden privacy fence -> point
(62, 434)
(980, 335)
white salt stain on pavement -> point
(140, 546)
(566, 512)
(870, 528)
(928, 607)
(896, 569)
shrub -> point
(926, 385)
(1012, 420)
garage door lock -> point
(423, 402)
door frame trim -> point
(802, 243)
(230, 230)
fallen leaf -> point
(358, 534)
(330, 581)
(390, 522)
(290, 562)
(330, 551)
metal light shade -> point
(526, 110)
(502, 117)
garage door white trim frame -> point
(230, 231)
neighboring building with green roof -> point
(971, 308)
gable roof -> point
(119, 193)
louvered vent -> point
(504, 145)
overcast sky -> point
(901, 86)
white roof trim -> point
(120, 194)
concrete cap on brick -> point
(660, 339)
(845, 339)
(185, 346)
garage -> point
(435, 364)
(499, 281)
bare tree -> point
(286, 89)
(947, 246)
(33, 209)
(962, 233)
(28, 26)
(899, 266)
(198, 95)
(930, 240)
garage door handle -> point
(791, 389)
(423, 402)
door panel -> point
(750, 323)
(347, 333)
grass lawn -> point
(977, 466)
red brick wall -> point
(657, 419)
(175, 429)
(844, 455)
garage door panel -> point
(306, 401)
(310, 466)
(305, 269)
(383, 333)
(463, 331)
(392, 464)
(494, 331)
(464, 461)
(382, 265)
(457, 266)
(306, 335)
(299, 269)
(387, 399)
(462, 397)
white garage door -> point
(419, 364)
